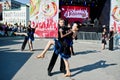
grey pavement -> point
(89, 62)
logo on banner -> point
(76, 13)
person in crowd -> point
(87, 22)
(1, 30)
(96, 23)
(5, 29)
(104, 37)
(111, 34)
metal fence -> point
(89, 36)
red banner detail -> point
(75, 13)
(48, 28)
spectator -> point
(104, 37)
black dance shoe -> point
(49, 74)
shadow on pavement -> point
(7, 50)
(10, 41)
(42, 49)
(99, 64)
(11, 62)
(87, 52)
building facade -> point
(15, 12)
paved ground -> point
(89, 63)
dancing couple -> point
(29, 36)
(62, 47)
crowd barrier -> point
(89, 35)
(81, 35)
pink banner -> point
(44, 15)
(0, 7)
(75, 13)
(115, 15)
(0, 11)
